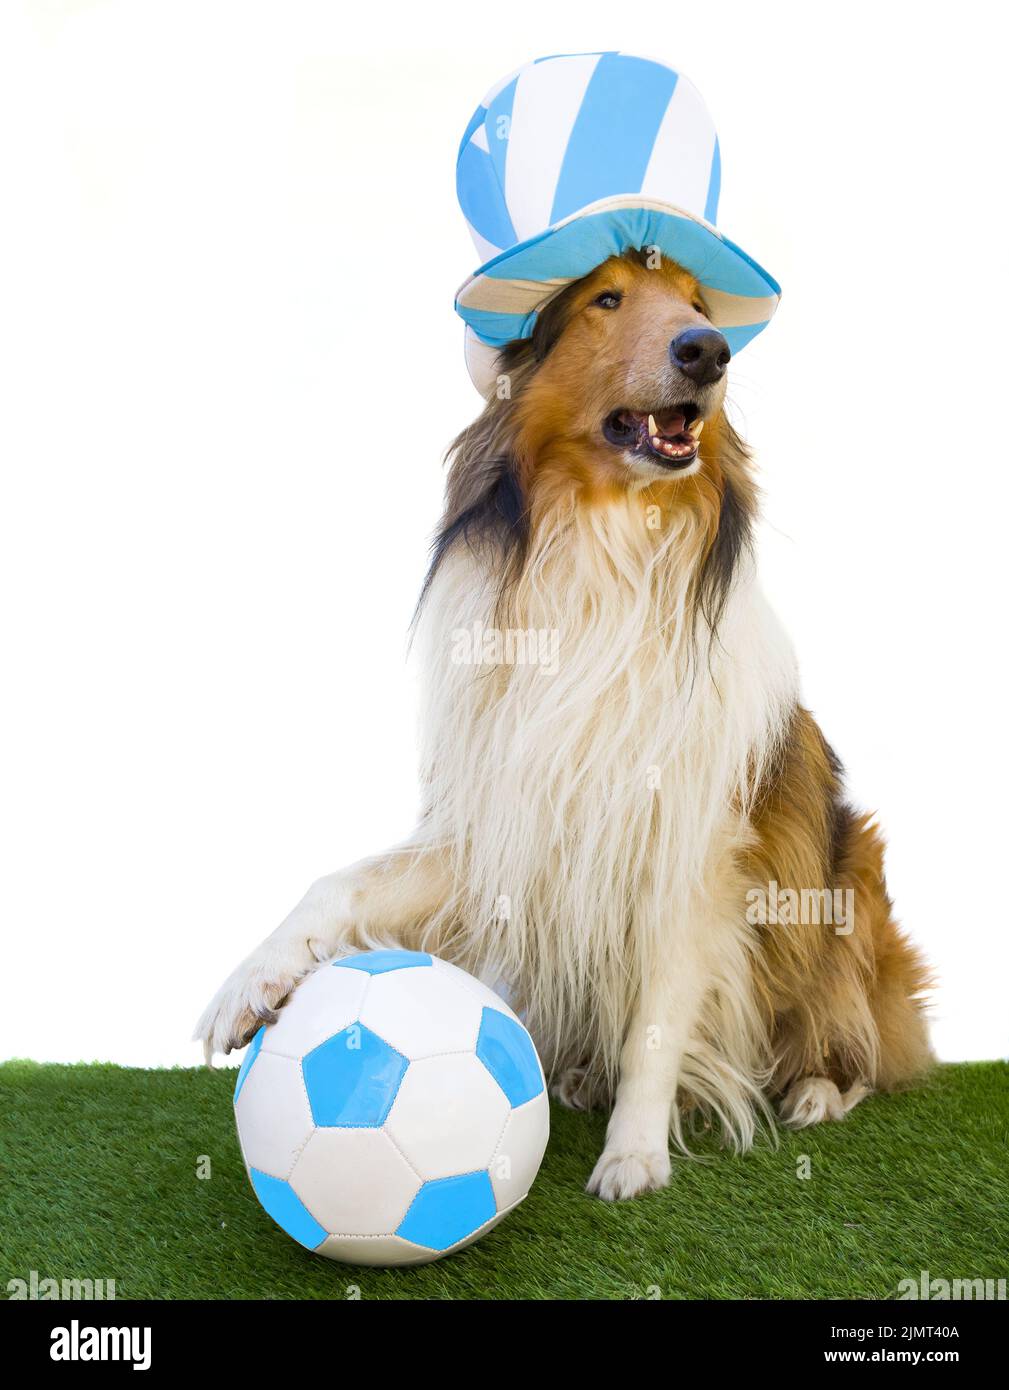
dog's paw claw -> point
(618, 1176)
(250, 998)
(814, 1099)
(575, 1089)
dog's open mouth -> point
(669, 436)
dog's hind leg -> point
(383, 901)
(862, 1025)
(817, 1098)
(581, 1088)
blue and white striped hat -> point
(580, 157)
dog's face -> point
(631, 370)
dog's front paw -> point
(620, 1175)
(251, 995)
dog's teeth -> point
(696, 427)
(653, 428)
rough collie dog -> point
(602, 828)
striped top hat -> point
(580, 157)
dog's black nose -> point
(702, 354)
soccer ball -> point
(394, 1113)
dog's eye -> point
(609, 299)
(698, 307)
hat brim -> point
(500, 301)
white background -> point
(229, 366)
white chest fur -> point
(581, 761)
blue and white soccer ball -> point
(394, 1113)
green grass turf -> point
(98, 1179)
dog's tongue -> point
(671, 423)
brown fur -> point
(847, 1007)
(534, 446)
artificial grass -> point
(98, 1179)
